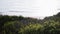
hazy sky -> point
(30, 8)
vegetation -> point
(27, 25)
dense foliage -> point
(27, 25)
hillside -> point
(27, 25)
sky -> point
(30, 8)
